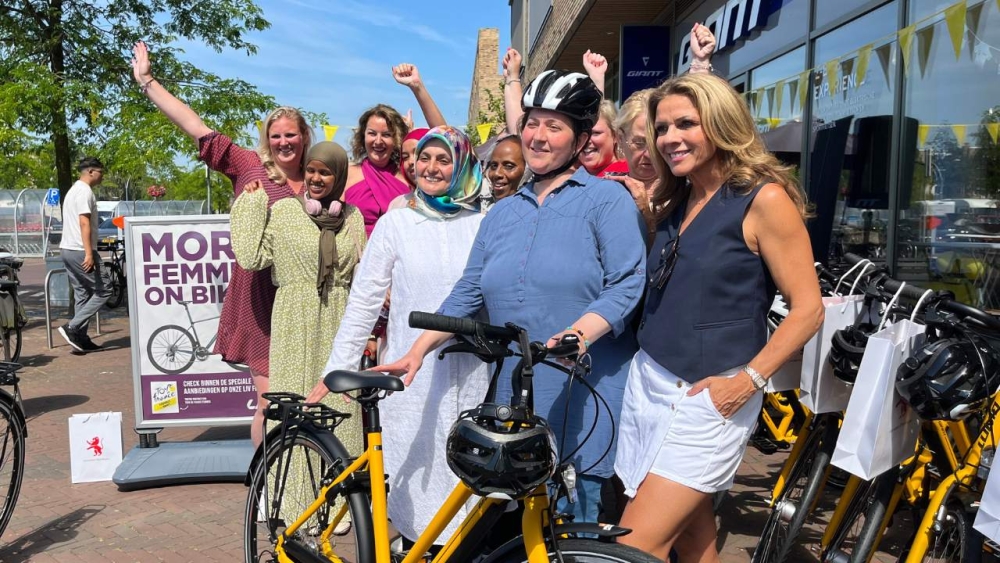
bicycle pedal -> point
(764, 445)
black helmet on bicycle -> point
(846, 350)
(498, 452)
(950, 378)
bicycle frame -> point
(534, 518)
(793, 458)
(194, 331)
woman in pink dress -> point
(244, 335)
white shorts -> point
(700, 449)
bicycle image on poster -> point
(173, 349)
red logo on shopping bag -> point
(95, 444)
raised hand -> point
(253, 186)
(511, 64)
(594, 64)
(141, 69)
(408, 119)
(407, 75)
(702, 42)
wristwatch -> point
(758, 380)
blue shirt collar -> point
(579, 178)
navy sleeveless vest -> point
(711, 314)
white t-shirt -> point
(79, 201)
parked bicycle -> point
(13, 433)
(293, 529)
(12, 315)
(113, 272)
(173, 349)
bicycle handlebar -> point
(948, 304)
(465, 327)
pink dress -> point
(245, 325)
(375, 192)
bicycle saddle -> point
(342, 381)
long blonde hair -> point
(727, 124)
(274, 172)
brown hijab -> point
(335, 158)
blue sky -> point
(335, 56)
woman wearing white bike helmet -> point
(563, 255)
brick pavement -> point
(55, 521)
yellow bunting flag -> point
(803, 89)
(484, 131)
(260, 127)
(773, 122)
(906, 44)
(330, 131)
(758, 100)
(779, 94)
(994, 129)
(770, 100)
(959, 131)
(885, 58)
(831, 75)
(922, 132)
(861, 68)
(925, 39)
(955, 17)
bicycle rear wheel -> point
(113, 279)
(805, 482)
(275, 500)
(581, 551)
(12, 344)
(12, 444)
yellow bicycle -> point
(302, 471)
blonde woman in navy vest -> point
(730, 232)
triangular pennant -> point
(484, 131)
(803, 89)
(922, 132)
(955, 17)
(959, 131)
(994, 129)
(770, 100)
(758, 100)
(793, 88)
(260, 127)
(974, 14)
(861, 68)
(905, 45)
(847, 70)
(925, 39)
(779, 94)
(773, 122)
(330, 131)
(831, 75)
(885, 58)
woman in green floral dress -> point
(313, 245)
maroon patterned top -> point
(245, 325)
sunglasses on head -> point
(665, 268)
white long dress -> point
(421, 259)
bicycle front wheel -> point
(171, 349)
(12, 344)
(858, 535)
(12, 443)
(582, 551)
(285, 481)
(113, 279)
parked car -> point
(107, 234)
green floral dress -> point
(302, 328)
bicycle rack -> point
(48, 306)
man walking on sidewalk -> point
(79, 254)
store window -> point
(851, 91)
(828, 11)
(949, 228)
(776, 106)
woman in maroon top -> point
(244, 335)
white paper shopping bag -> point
(879, 429)
(95, 446)
(988, 516)
(821, 391)
(787, 377)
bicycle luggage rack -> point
(48, 306)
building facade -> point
(485, 75)
(901, 155)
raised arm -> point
(175, 110)
(702, 47)
(596, 66)
(408, 75)
(512, 89)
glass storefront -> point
(949, 221)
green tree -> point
(986, 157)
(65, 77)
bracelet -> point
(586, 343)
(509, 82)
(698, 65)
(144, 87)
